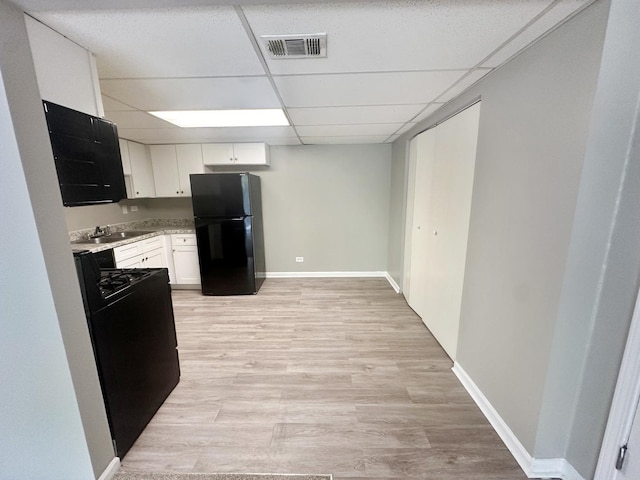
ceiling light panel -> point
(161, 42)
(224, 118)
(394, 35)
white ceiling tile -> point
(161, 42)
(364, 89)
(557, 14)
(395, 35)
(465, 83)
(349, 115)
(193, 93)
(405, 128)
(343, 140)
(113, 105)
(282, 141)
(342, 130)
(248, 134)
(428, 111)
(136, 119)
(157, 135)
(392, 139)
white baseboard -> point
(392, 282)
(532, 467)
(111, 469)
(326, 274)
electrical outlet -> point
(134, 208)
(125, 210)
(299, 259)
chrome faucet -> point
(100, 232)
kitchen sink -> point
(113, 237)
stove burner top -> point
(112, 281)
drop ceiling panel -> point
(113, 105)
(343, 140)
(193, 93)
(428, 111)
(161, 43)
(248, 134)
(136, 119)
(548, 21)
(341, 130)
(348, 115)
(405, 128)
(395, 35)
(157, 135)
(364, 89)
(461, 86)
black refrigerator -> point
(227, 211)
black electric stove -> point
(131, 323)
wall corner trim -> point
(111, 469)
(532, 467)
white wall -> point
(66, 72)
(53, 422)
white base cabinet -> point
(185, 259)
(148, 253)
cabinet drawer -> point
(127, 251)
(183, 239)
(152, 243)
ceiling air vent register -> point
(295, 46)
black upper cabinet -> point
(87, 156)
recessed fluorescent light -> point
(266, 117)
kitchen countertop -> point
(155, 227)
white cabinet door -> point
(217, 153)
(165, 170)
(124, 155)
(189, 160)
(251, 153)
(154, 259)
(134, 262)
(185, 262)
(141, 171)
(185, 259)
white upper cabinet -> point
(140, 184)
(235, 153)
(172, 165)
(165, 170)
(124, 155)
(189, 161)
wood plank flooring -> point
(316, 376)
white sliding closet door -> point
(443, 184)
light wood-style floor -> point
(316, 376)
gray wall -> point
(326, 203)
(51, 410)
(531, 148)
(604, 263)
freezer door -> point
(221, 195)
(225, 251)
